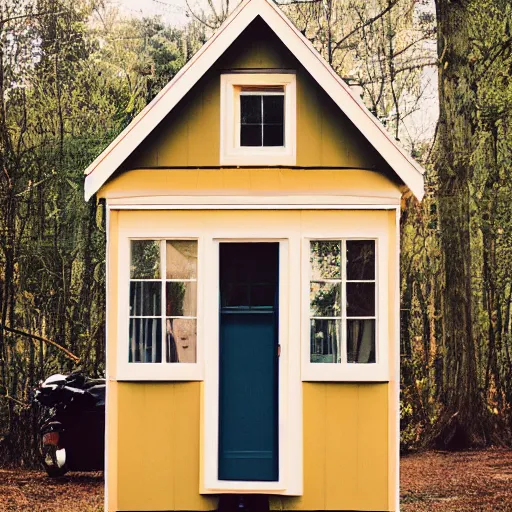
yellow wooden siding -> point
(154, 429)
(345, 448)
(190, 134)
(158, 440)
(244, 182)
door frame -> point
(290, 385)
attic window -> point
(258, 119)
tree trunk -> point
(464, 421)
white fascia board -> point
(104, 166)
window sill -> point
(159, 372)
(263, 156)
(346, 372)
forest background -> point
(438, 74)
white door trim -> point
(290, 385)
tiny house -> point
(253, 284)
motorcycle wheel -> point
(54, 461)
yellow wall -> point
(345, 448)
(190, 134)
(158, 437)
(274, 182)
(350, 433)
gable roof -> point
(408, 170)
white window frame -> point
(344, 371)
(231, 153)
(162, 371)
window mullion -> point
(343, 333)
(262, 142)
(163, 269)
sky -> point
(172, 11)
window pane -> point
(360, 259)
(325, 260)
(145, 340)
(361, 341)
(250, 135)
(145, 263)
(325, 299)
(181, 259)
(360, 299)
(250, 109)
(273, 135)
(181, 299)
(145, 298)
(180, 340)
(263, 295)
(325, 341)
(235, 295)
(273, 109)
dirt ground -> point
(33, 491)
(479, 481)
(430, 482)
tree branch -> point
(44, 340)
(365, 24)
(31, 15)
(197, 18)
(16, 401)
(295, 2)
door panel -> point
(248, 383)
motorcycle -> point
(73, 428)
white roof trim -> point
(409, 171)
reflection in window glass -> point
(181, 259)
(181, 340)
(325, 341)
(145, 259)
(361, 341)
(360, 299)
(158, 321)
(325, 304)
(325, 299)
(181, 298)
(181, 301)
(145, 340)
(145, 298)
(325, 258)
(360, 260)
(342, 303)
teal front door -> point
(248, 362)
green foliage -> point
(70, 84)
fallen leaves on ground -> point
(33, 491)
(472, 481)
